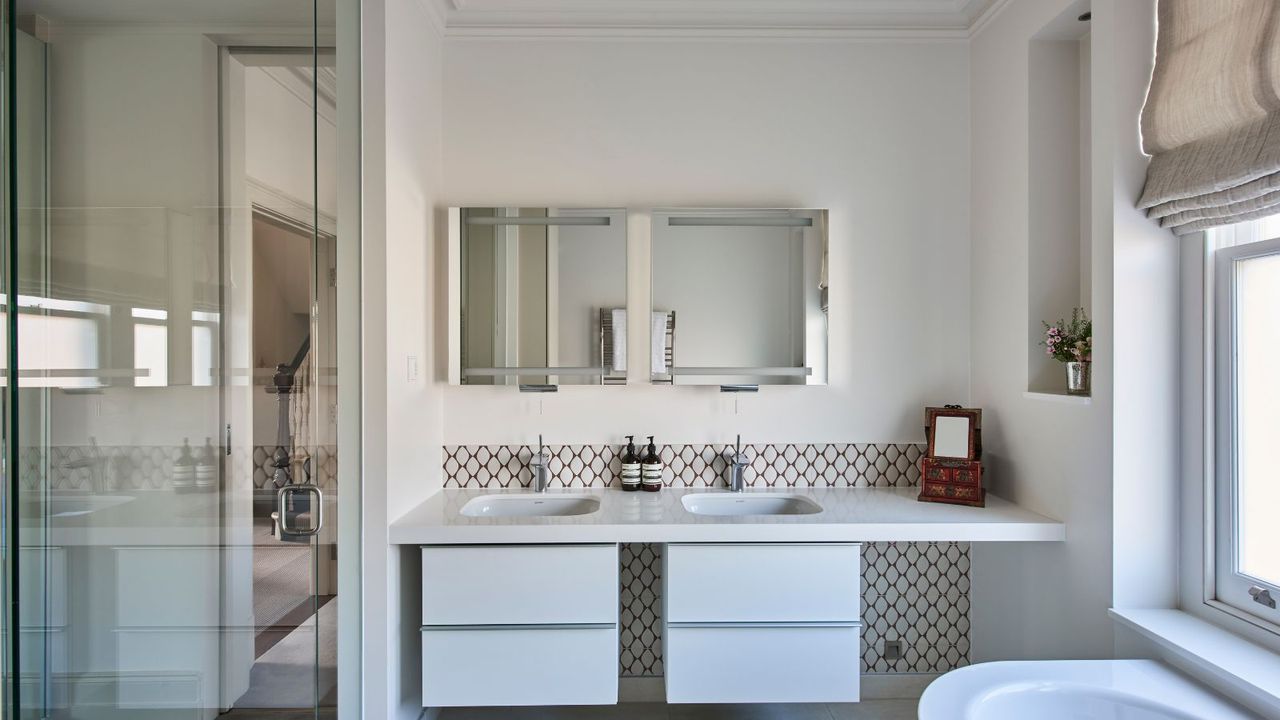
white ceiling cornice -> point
(732, 18)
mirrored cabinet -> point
(537, 287)
(539, 297)
(741, 294)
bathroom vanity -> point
(761, 589)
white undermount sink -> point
(530, 506)
(728, 504)
(71, 505)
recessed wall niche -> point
(1059, 214)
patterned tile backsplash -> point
(492, 466)
(914, 593)
(148, 467)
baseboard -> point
(875, 686)
(429, 714)
(641, 689)
(895, 686)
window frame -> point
(1226, 589)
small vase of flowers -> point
(1071, 342)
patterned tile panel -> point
(916, 593)
(640, 632)
(836, 465)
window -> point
(204, 329)
(59, 342)
(1247, 399)
(150, 347)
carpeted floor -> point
(281, 576)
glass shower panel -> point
(170, 450)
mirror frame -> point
(973, 415)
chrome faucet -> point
(737, 467)
(96, 464)
(538, 464)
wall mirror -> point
(739, 297)
(540, 289)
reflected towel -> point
(658, 343)
(618, 363)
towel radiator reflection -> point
(610, 377)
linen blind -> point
(1211, 123)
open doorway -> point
(294, 575)
(280, 144)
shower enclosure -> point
(173, 254)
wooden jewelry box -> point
(951, 470)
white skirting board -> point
(875, 686)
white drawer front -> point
(519, 666)
(762, 664)
(763, 583)
(519, 585)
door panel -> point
(173, 204)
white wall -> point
(401, 121)
(1045, 600)
(876, 131)
(125, 234)
(1147, 331)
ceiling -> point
(480, 17)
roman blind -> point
(1211, 122)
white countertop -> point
(848, 515)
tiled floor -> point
(869, 710)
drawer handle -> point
(555, 626)
(791, 624)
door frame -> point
(242, 196)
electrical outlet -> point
(892, 650)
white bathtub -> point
(1073, 690)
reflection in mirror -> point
(544, 292)
(951, 436)
(739, 297)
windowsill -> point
(1245, 670)
(1058, 397)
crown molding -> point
(787, 19)
(989, 13)
(907, 34)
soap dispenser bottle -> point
(651, 469)
(631, 466)
(184, 468)
(206, 467)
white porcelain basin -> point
(749, 503)
(530, 505)
(72, 505)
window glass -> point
(1257, 305)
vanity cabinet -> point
(757, 623)
(519, 625)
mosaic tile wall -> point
(915, 593)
